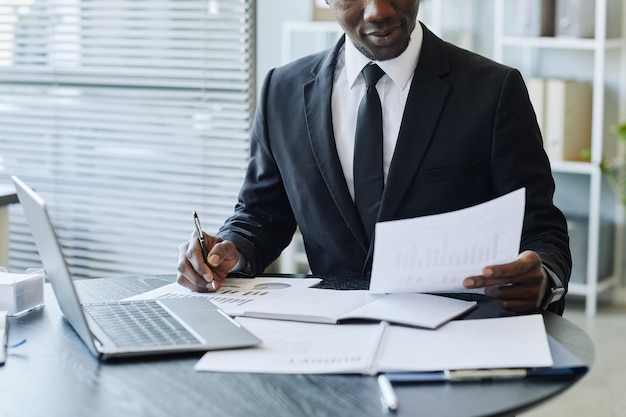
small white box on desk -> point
(20, 293)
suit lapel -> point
(317, 103)
(423, 108)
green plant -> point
(621, 131)
(616, 173)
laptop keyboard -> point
(139, 324)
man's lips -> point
(381, 35)
(381, 32)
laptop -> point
(110, 329)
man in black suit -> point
(458, 130)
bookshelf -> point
(580, 185)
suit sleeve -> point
(519, 160)
(263, 223)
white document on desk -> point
(435, 253)
(236, 294)
(311, 348)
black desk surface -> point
(53, 374)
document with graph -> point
(435, 253)
(236, 294)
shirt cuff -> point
(552, 276)
(242, 265)
(553, 282)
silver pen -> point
(387, 393)
(205, 251)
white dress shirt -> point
(349, 88)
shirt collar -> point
(399, 69)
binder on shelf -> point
(548, 14)
(575, 18)
(567, 116)
(535, 17)
(321, 11)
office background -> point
(129, 126)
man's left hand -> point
(518, 286)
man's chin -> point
(382, 48)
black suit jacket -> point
(468, 134)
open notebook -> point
(313, 348)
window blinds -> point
(125, 116)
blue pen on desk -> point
(196, 220)
(456, 375)
(480, 374)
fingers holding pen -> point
(222, 258)
(193, 272)
(205, 274)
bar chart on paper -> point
(448, 257)
(448, 254)
(435, 253)
(236, 294)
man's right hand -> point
(205, 275)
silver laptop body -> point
(209, 325)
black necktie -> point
(368, 151)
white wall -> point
(270, 17)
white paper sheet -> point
(297, 348)
(435, 253)
(294, 347)
(236, 294)
(511, 342)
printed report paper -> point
(236, 294)
(436, 253)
